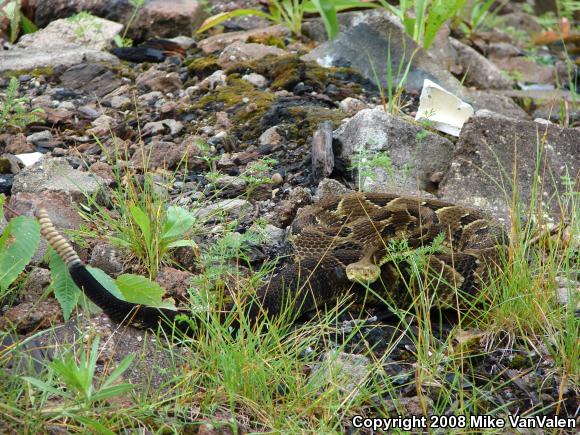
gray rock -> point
(219, 42)
(229, 181)
(415, 152)
(150, 98)
(159, 127)
(484, 162)
(56, 175)
(120, 102)
(217, 78)
(107, 258)
(479, 71)
(345, 371)
(29, 59)
(363, 46)
(351, 106)
(37, 280)
(330, 187)
(91, 78)
(89, 32)
(240, 52)
(157, 80)
(42, 138)
(232, 207)
(102, 126)
(257, 80)
(270, 136)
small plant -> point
(122, 40)
(290, 13)
(366, 164)
(17, 20)
(146, 226)
(77, 378)
(256, 172)
(86, 25)
(395, 79)
(13, 113)
(423, 18)
(472, 17)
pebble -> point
(120, 102)
(257, 80)
(277, 178)
(40, 139)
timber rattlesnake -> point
(338, 242)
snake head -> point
(363, 272)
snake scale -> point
(338, 244)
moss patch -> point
(203, 66)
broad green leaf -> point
(141, 290)
(224, 16)
(18, 243)
(65, 290)
(327, 11)
(106, 281)
(142, 220)
(177, 222)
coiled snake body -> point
(339, 243)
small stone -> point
(17, 144)
(156, 80)
(277, 178)
(150, 98)
(37, 280)
(42, 138)
(120, 102)
(159, 127)
(101, 126)
(257, 80)
(107, 258)
(241, 52)
(215, 80)
(351, 106)
(330, 187)
(270, 137)
(66, 105)
(233, 207)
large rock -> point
(157, 18)
(30, 59)
(56, 175)
(88, 32)
(492, 147)
(219, 42)
(240, 52)
(416, 154)
(90, 78)
(63, 43)
(478, 70)
(364, 45)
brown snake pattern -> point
(339, 243)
